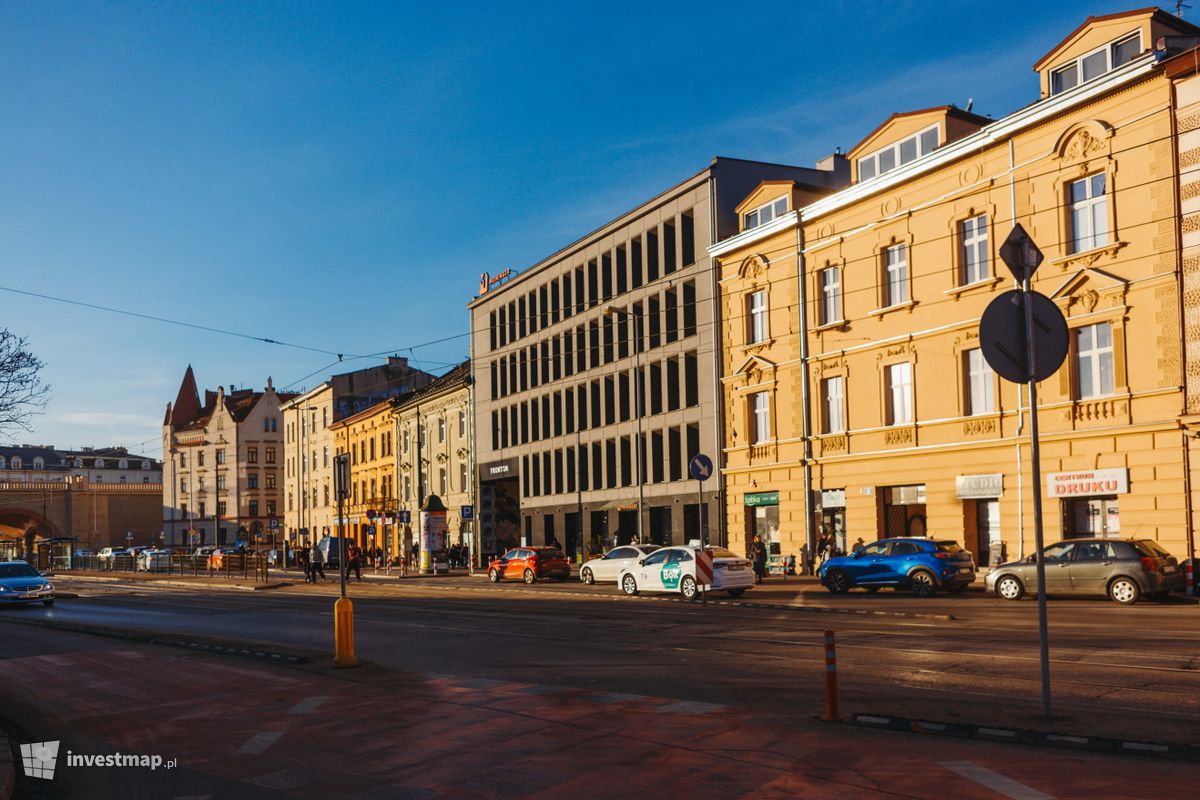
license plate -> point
(964, 569)
(734, 567)
(29, 594)
(1169, 568)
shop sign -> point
(498, 469)
(833, 498)
(970, 487)
(1087, 483)
(762, 499)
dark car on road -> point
(921, 565)
(529, 564)
(1122, 569)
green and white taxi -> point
(673, 569)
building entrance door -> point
(573, 539)
(987, 530)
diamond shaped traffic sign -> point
(1020, 253)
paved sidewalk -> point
(242, 730)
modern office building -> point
(559, 353)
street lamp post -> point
(637, 401)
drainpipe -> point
(722, 538)
(810, 534)
(1012, 199)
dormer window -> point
(79, 463)
(145, 465)
(39, 463)
(1096, 63)
(2, 462)
(898, 154)
(765, 213)
(16, 462)
(123, 464)
(99, 464)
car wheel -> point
(1124, 591)
(629, 585)
(1010, 588)
(687, 587)
(837, 581)
(47, 603)
(587, 577)
(735, 593)
(872, 589)
(494, 575)
(922, 583)
(958, 588)
(529, 576)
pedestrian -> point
(823, 547)
(354, 562)
(806, 559)
(318, 563)
(758, 555)
(554, 543)
(858, 545)
(302, 559)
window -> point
(40, 463)
(221, 508)
(1089, 213)
(765, 213)
(981, 393)
(462, 476)
(266, 424)
(199, 460)
(442, 487)
(833, 394)
(183, 485)
(221, 483)
(898, 154)
(254, 508)
(202, 484)
(899, 394)
(831, 295)
(760, 423)
(974, 255)
(251, 455)
(252, 481)
(270, 508)
(895, 265)
(462, 424)
(270, 480)
(221, 456)
(1096, 63)
(1094, 361)
(270, 455)
(756, 315)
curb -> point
(991, 733)
(152, 582)
(8, 769)
(170, 640)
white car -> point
(151, 560)
(607, 568)
(673, 569)
(109, 553)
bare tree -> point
(22, 393)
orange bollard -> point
(831, 690)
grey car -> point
(1122, 569)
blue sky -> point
(337, 175)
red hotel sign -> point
(1087, 483)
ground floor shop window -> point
(903, 511)
(1091, 516)
(987, 546)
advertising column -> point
(433, 532)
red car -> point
(529, 564)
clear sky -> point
(337, 175)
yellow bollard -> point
(343, 633)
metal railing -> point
(228, 565)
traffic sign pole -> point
(1038, 540)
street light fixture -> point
(637, 401)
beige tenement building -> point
(873, 413)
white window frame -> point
(899, 393)
(463, 478)
(831, 295)
(462, 424)
(1089, 212)
(763, 214)
(1075, 65)
(872, 162)
(973, 250)
(760, 409)
(443, 481)
(895, 275)
(981, 384)
(441, 429)
(1092, 362)
(833, 393)
(758, 327)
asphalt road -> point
(1129, 672)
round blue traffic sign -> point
(700, 467)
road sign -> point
(341, 476)
(370, 530)
(467, 513)
(1021, 254)
(704, 567)
(404, 517)
(700, 467)
(129, 535)
(273, 523)
(1002, 336)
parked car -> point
(203, 551)
(673, 569)
(529, 564)
(151, 560)
(21, 583)
(109, 553)
(606, 568)
(1123, 569)
(922, 565)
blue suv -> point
(921, 565)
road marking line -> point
(258, 743)
(994, 781)
(307, 705)
(995, 732)
(873, 720)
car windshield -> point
(949, 546)
(17, 571)
(721, 552)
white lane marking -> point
(307, 705)
(994, 781)
(258, 743)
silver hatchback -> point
(1122, 569)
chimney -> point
(270, 384)
(838, 167)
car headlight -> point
(4, 589)
(49, 587)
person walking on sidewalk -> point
(318, 564)
(758, 555)
(302, 561)
(354, 562)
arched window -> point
(145, 465)
(39, 463)
(99, 463)
(272, 425)
(79, 463)
(122, 464)
(2, 464)
(16, 462)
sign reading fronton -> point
(1087, 483)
